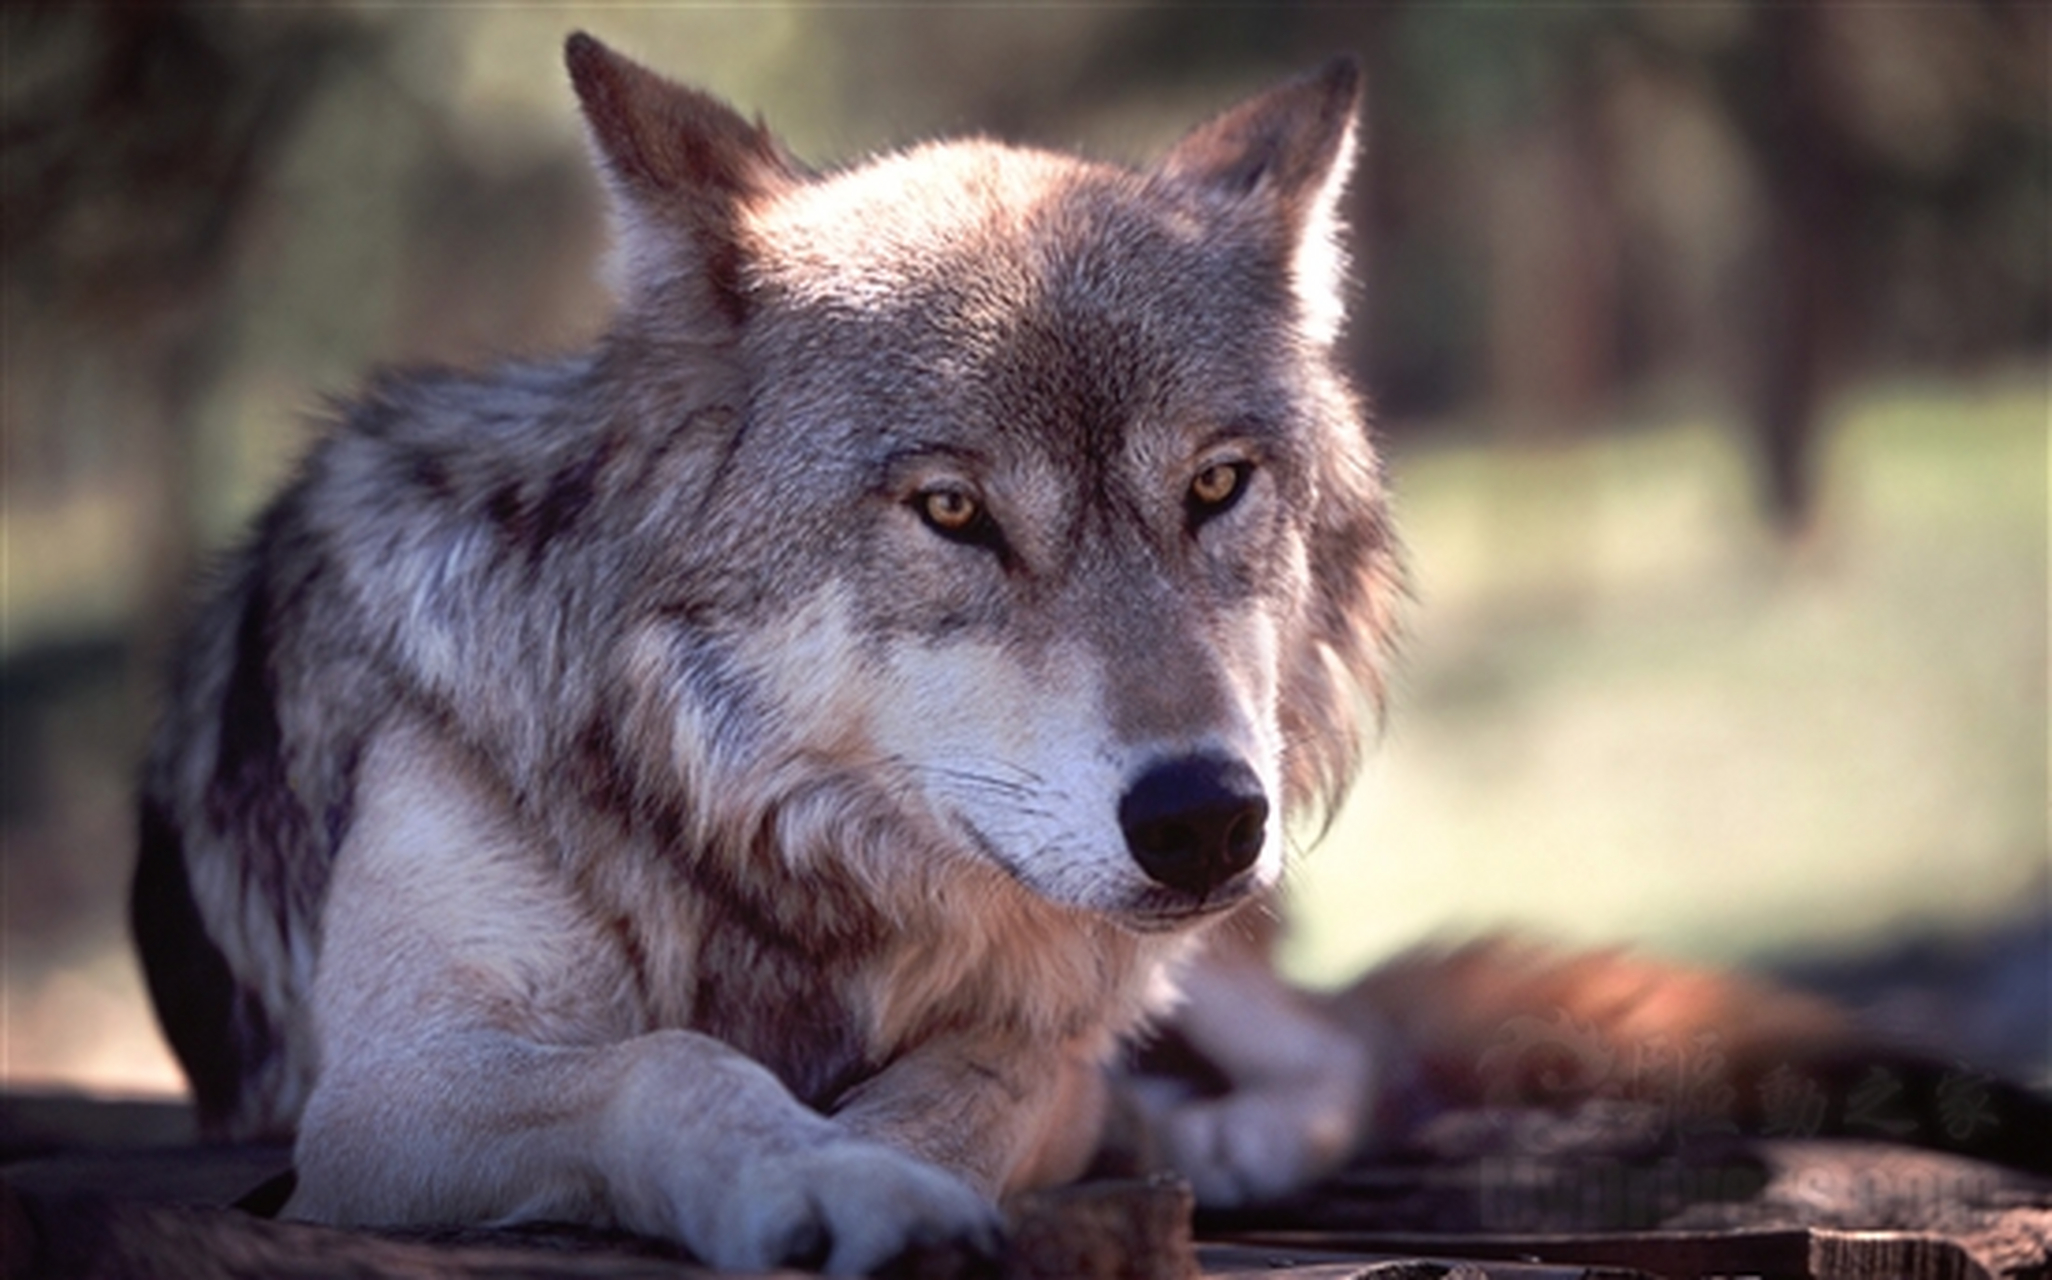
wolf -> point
(743, 782)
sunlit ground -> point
(1625, 714)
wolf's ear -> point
(1288, 152)
(682, 165)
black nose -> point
(1194, 822)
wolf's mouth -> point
(1152, 909)
(1160, 911)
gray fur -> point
(583, 590)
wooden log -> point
(94, 1238)
(1097, 1231)
(1794, 1254)
(1107, 1230)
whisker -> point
(1028, 784)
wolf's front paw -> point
(846, 1207)
(1250, 1147)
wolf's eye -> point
(1216, 488)
(956, 515)
(949, 510)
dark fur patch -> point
(533, 523)
(247, 761)
(778, 1005)
(215, 1027)
(431, 473)
(251, 791)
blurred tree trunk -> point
(1807, 295)
(1553, 237)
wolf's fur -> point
(705, 784)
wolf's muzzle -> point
(1194, 822)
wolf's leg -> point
(669, 1134)
(484, 1059)
(1001, 1115)
(1301, 1085)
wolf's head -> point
(1043, 534)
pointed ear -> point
(1289, 152)
(683, 166)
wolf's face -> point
(1046, 521)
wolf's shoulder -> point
(505, 455)
(425, 421)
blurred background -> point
(1709, 345)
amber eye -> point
(1217, 487)
(956, 514)
(949, 511)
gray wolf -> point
(744, 781)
